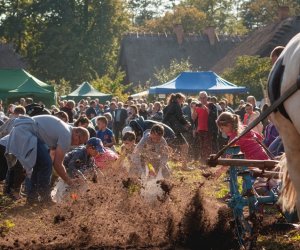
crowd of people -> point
(135, 136)
(78, 136)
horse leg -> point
(291, 141)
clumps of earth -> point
(114, 215)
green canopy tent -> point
(30, 88)
(87, 90)
(11, 79)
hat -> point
(97, 144)
(126, 129)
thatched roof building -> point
(141, 53)
(262, 41)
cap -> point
(96, 143)
(126, 129)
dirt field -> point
(112, 215)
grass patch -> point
(5, 226)
(193, 177)
(278, 242)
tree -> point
(191, 19)
(107, 84)
(75, 40)
(218, 12)
(14, 21)
(143, 10)
(261, 12)
(62, 87)
(251, 72)
(164, 75)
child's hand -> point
(152, 173)
(151, 170)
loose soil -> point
(111, 214)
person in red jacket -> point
(230, 124)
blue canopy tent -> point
(193, 82)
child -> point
(127, 149)
(128, 143)
(104, 133)
(105, 157)
(109, 120)
(83, 158)
(151, 154)
(229, 124)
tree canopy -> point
(75, 40)
(251, 72)
(165, 74)
(71, 41)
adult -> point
(227, 106)
(84, 122)
(69, 109)
(187, 111)
(251, 99)
(276, 53)
(250, 116)
(119, 121)
(7, 126)
(157, 114)
(206, 133)
(112, 109)
(4, 130)
(132, 112)
(173, 117)
(189, 134)
(22, 102)
(62, 115)
(28, 101)
(91, 110)
(276, 146)
(30, 141)
(143, 111)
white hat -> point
(126, 129)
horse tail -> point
(288, 193)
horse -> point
(284, 74)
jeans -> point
(41, 174)
(3, 163)
(203, 145)
(14, 178)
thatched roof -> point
(262, 41)
(142, 53)
(9, 59)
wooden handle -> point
(262, 164)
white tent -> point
(140, 95)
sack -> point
(62, 192)
(151, 186)
(59, 191)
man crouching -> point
(31, 141)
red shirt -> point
(202, 118)
(106, 159)
(250, 147)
